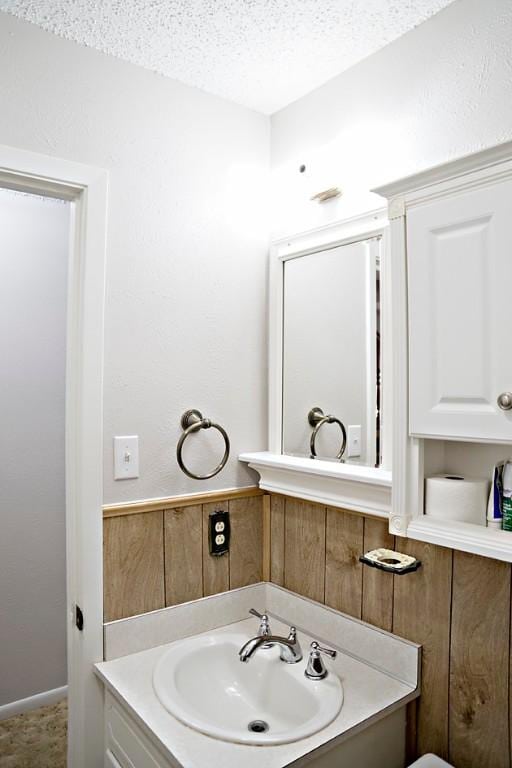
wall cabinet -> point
(459, 268)
(451, 271)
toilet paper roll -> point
(454, 497)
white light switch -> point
(126, 457)
(354, 440)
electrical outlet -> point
(219, 531)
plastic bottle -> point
(495, 503)
(507, 496)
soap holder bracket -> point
(390, 561)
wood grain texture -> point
(304, 570)
(246, 552)
(172, 502)
(343, 571)
(265, 500)
(183, 533)
(377, 585)
(479, 662)
(215, 569)
(133, 554)
(277, 504)
(421, 613)
(411, 732)
(463, 714)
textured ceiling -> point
(261, 53)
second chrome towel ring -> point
(317, 419)
(193, 421)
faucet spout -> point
(290, 650)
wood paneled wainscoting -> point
(156, 554)
(457, 605)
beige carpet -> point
(36, 739)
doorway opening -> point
(52, 275)
(35, 239)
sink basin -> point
(202, 682)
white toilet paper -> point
(454, 497)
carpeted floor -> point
(36, 739)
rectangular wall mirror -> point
(331, 371)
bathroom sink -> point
(202, 682)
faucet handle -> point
(328, 651)
(316, 669)
(264, 628)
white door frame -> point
(87, 188)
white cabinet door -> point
(459, 252)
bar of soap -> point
(389, 560)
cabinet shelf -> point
(477, 539)
(348, 486)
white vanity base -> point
(125, 742)
(379, 746)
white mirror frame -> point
(351, 486)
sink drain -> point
(258, 726)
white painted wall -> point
(34, 248)
(186, 251)
(441, 91)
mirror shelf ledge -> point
(356, 488)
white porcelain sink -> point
(202, 682)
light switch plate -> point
(126, 457)
(353, 440)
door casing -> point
(87, 188)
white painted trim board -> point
(87, 187)
(43, 699)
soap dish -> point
(388, 560)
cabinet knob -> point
(505, 401)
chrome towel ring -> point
(317, 419)
(193, 421)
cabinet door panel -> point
(459, 252)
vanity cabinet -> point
(459, 270)
(127, 746)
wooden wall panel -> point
(183, 532)
(265, 570)
(343, 571)
(215, 569)
(160, 557)
(422, 613)
(133, 555)
(479, 661)
(377, 603)
(277, 539)
(457, 606)
(304, 569)
(246, 551)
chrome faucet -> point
(290, 650)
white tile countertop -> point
(379, 672)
